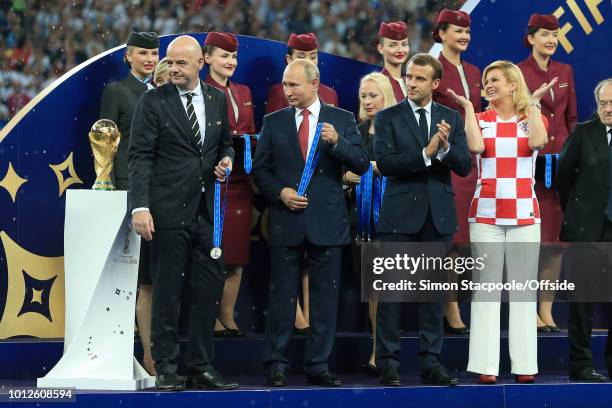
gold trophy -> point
(104, 137)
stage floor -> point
(551, 390)
(24, 360)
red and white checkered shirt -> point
(505, 192)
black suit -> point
(320, 229)
(118, 103)
(168, 169)
(418, 206)
(583, 183)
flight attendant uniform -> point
(396, 31)
(559, 107)
(237, 223)
(464, 81)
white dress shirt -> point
(313, 118)
(197, 101)
(441, 153)
(608, 133)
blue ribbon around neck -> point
(311, 162)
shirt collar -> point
(415, 107)
(608, 128)
(197, 90)
(314, 108)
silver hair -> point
(600, 85)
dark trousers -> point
(580, 326)
(431, 329)
(323, 281)
(179, 253)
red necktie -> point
(303, 133)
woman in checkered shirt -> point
(505, 217)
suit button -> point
(184, 204)
(182, 222)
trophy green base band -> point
(103, 186)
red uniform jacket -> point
(463, 187)
(397, 89)
(451, 79)
(561, 113)
(277, 99)
(242, 96)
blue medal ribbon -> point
(311, 162)
(219, 211)
(366, 198)
(358, 205)
(380, 183)
(248, 158)
(548, 171)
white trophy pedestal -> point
(101, 253)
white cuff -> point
(442, 153)
(139, 209)
(426, 159)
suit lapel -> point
(324, 117)
(410, 120)
(177, 111)
(436, 118)
(288, 125)
(600, 144)
(210, 112)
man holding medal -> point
(180, 145)
(298, 166)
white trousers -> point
(519, 247)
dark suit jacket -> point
(167, 167)
(118, 103)
(278, 164)
(582, 181)
(412, 188)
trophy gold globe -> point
(104, 138)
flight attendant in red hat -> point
(559, 107)
(452, 30)
(300, 46)
(221, 56)
(393, 46)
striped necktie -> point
(193, 119)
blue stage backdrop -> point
(44, 150)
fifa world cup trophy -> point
(104, 138)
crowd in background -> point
(41, 40)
